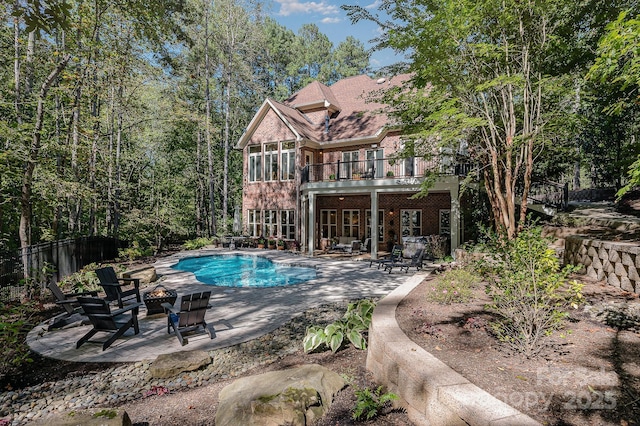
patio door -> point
(375, 162)
(328, 223)
(349, 164)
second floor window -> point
(288, 167)
(271, 161)
(350, 164)
(255, 163)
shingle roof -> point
(358, 116)
(353, 114)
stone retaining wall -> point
(616, 262)
(431, 392)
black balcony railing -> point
(380, 169)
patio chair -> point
(73, 311)
(104, 320)
(189, 316)
(414, 262)
(112, 286)
(393, 257)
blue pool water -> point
(244, 271)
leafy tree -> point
(618, 65)
(312, 57)
(350, 58)
(478, 75)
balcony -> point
(381, 169)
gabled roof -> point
(348, 103)
(314, 95)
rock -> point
(145, 275)
(296, 396)
(169, 365)
(105, 417)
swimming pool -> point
(244, 271)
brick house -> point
(320, 166)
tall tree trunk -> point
(212, 198)
(116, 201)
(32, 159)
(16, 69)
(199, 187)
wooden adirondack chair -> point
(69, 302)
(113, 287)
(104, 320)
(190, 316)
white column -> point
(374, 224)
(303, 224)
(455, 218)
(311, 220)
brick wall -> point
(271, 128)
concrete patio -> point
(237, 314)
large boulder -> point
(296, 396)
(145, 275)
(169, 365)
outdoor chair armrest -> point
(111, 284)
(63, 302)
(169, 307)
(82, 293)
(135, 281)
(126, 308)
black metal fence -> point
(54, 260)
(382, 168)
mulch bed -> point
(588, 374)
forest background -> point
(119, 118)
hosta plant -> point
(352, 326)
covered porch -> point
(378, 212)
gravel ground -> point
(190, 398)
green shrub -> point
(14, 325)
(370, 403)
(197, 243)
(83, 280)
(453, 286)
(529, 290)
(353, 325)
(134, 252)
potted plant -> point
(271, 244)
(332, 176)
(390, 173)
(356, 175)
(261, 242)
(280, 244)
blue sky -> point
(332, 21)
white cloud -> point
(330, 20)
(288, 7)
(374, 5)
